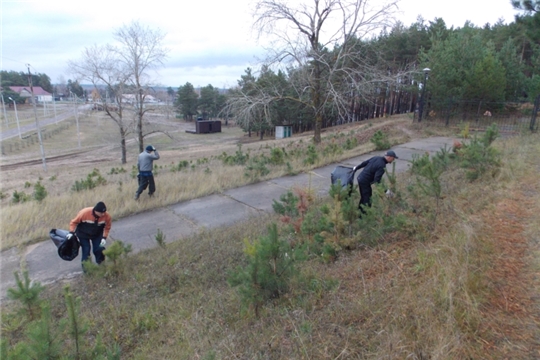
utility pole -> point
(54, 107)
(423, 97)
(16, 117)
(5, 114)
(37, 121)
(73, 97)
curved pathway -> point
(189, 217)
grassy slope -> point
(30, 221)
(465, 291)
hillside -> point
(443, 272)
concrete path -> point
(189, 217)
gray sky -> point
(209, 41)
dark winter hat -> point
(149, 148)
(100, 207)
(391, 153)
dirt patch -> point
(510, 316)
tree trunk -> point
(140, 115)
(316, 98)
(123, 144)
(124, 150)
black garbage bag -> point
(67, 249)
(343, 174)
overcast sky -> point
(209, 41)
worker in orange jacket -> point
(91, 226)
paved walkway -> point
(189, 217)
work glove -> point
(70, 235)
(389, 193)
(103, 242)
(354, 169)
(153, 148)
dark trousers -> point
(144, 182)
(365, 195)
(98, 250)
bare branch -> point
(321, 41)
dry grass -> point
(446, 297)
(30, 221)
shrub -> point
(42, 340)
(379, 219)
(114, 254)
(20, 197)
(256, 167)
(332, 149)
(465, 133)
(28, 293)
(39, 191)
(160, 238)
(290, 170)
(182, 164)
(269, 268)
(239, 158)
(380, 140)
(134, 172)
(312, 155)
(115, 171)
(428, 172)
(287, 206)
(478, 155)
(93, 180)
(350, 143)
(77, 327)
(277, 156)
(348, 202)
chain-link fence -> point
(511, 117)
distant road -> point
(43, 122)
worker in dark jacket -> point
(372, 174)
(91, 226)
(145, 165)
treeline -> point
(20, 78)
(205, 104)
(490, 64)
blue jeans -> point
(98, 250)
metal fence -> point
(510, 117)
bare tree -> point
(140, 50)
(251, 101)
(318, 41)
(100, 66)
(122, 69)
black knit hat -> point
(100, 207)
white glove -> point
(153, 148)
(69, 236)
(354, 169)
(103, 242)
(389, 193)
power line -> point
(26, 64)
(4, 57)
